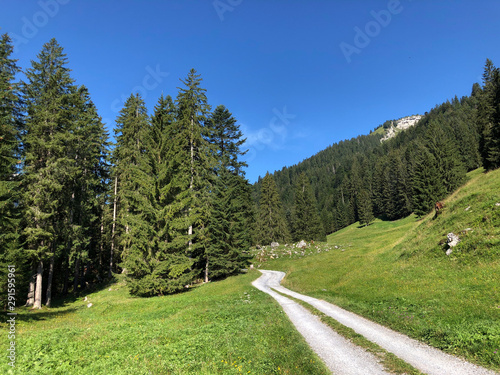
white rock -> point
(274, 244)
(449, 251)
(89, 305)
(302, 244)
(453, 240)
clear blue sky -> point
(297, 75)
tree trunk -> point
(38, 287)
(49, 281)
(110, 274)
(66, 279)
(206, 271)
(31, 293)
(191, 183)
(76, 275)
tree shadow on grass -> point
(60, 305)
(30, 315)
(63, 301)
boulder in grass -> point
(274, 244)
(451, 242)
(302, 244)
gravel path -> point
(423, 357)
(340, 356)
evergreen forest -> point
(167, 202)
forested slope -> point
(362, 178)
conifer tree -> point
(227, 137)
(10, 215)
(492, 136)
(426, 182)
(451, 172)
(194, 163)
(231, 217)
(49, 95)
(365, 208)
(486, 112)
(228, 226)
(271, 223)
(306, 221)
(134, 181)
(86, 190)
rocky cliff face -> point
(400, 125)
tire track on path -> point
(340, 355)
(427, 359)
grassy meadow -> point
(397, 273)
(227, 327)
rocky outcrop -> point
(399, 125)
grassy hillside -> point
(397, 273)
(227, 327)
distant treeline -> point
(362, 178)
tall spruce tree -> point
(194, 163)
(271, 224)
(135, 184)
(306, 221)
(10, 213)
(65, 174)
(231, 215)
(492, 132)
(86, 191)
(486, 110)
(49, 99)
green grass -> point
(397, 273)
(227, 327)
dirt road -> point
(340, 355)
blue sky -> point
(297, 75)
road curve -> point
(340, 356)
(423, 357)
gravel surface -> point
(423, 357)
(340, 356)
